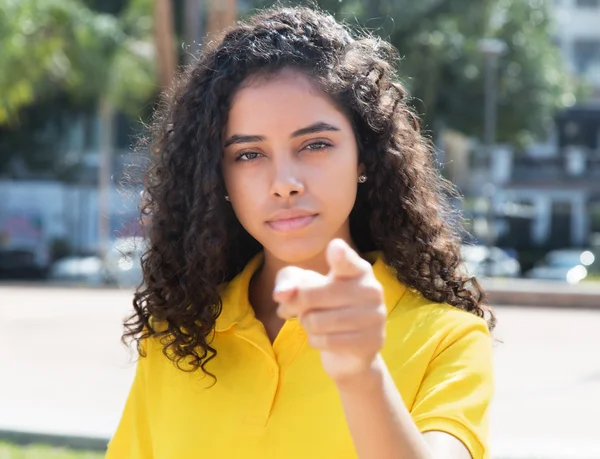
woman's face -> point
(290, 164)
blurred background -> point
(509, 90)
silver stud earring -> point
(362, 178)
(227, 198)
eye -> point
(247, 156)
(318, 145)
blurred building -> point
(548, 196)
(42, 210)
(59, 205)
(578, 37)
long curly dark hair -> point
(195, 242)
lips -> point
(291, 220)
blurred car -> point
(21, 263)
(81, 270)
(480, 260)
(123, 261)
(568, 265)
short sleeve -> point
(132, 438)
(457, 388)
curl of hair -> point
(195, 242)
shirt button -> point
(273, 371)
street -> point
(64, 371)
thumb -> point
(344, 262)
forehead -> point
(287, 100)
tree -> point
(532, 84)
(64, 47)
(61, 45)
(59, 58)
(442, 67)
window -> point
(586, 53)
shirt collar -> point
(237, 308)
(234, 296)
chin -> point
(297, 251)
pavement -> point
(542, 293)
(65, 375)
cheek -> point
(236, 182)
(337, 189)
(245, 194)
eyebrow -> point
(312, 129)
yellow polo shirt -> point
(276, 401)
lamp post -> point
(491, 49)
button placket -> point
(261, 402)
(264, 402)
(288, 344)
(279, 356)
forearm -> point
(379, 422)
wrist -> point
(368, 379)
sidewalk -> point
(64, 372)
(527, 292)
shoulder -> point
(441, 358)
(414, 306)
(429, 328)
(410, 311)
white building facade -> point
(578, 36)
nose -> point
(287, 181)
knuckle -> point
(310, 296)
(302, 296)
(329, 321)
(337, 319)
(376, 290)
(318, 341)
(375, 340)
(312, 322)
(376, 318)
(372, 290)
(381, 313)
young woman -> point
(303, 296)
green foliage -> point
(9, 451)
(532, 81)
(38, 139)
(55, 46)
(133, 79)
(443, 69)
